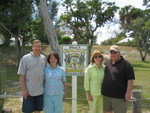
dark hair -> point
(55, 55)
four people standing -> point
(114, 81)
(93, 81)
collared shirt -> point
(54, 79)
(93, 79)
(32, 67)
(116, 78)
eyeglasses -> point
(113, 52)
(98, 57)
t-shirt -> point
(53, 81)
(32, 67)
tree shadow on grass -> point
(142, 64)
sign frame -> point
(74, 59)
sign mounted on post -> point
(75, 59)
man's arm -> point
(129, 90)
(23, 86)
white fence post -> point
(74, 89)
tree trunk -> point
(48, 25)
(19, 49)
(139, 48)
(141, 54)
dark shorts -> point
(32, 103)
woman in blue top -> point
(55, 85)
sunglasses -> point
(98, 57)
(113, 52)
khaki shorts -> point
(114, 104)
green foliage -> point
(53, 9)
(118, 38)
(16, 16)
(129, 43)
(137, 20)
(84, 17)
(37, 31)
(65, 40)
(146, 3)
(18, 19)
(141, 28)
(128, 14)
(110, 41)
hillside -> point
(142, 70)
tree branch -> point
(6, 29)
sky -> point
(107, 31)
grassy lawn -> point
(142, 81)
